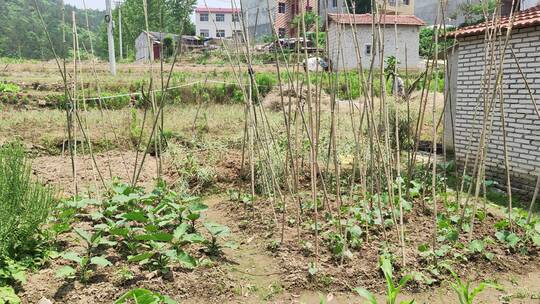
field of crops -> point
(187, 195)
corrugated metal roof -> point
(383, 19)
(216, 10)
(526, 18)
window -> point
(220, 17)
(204, 33)
(203, 17)
(334, 3)
(281, 8)
(406, 2)
(368, 49)
(392, 2)
(220, 33)
(309, 8)
(235, 17)
(295, 8)
(281, 32)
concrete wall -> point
(327, 6)
(257, 19)
(399, 5)
(343, 50)
(521, 121)
(525, 4)
(212, 25)
(142, 52)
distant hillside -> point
(22, 34)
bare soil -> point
(57, 170)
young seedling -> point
(89, 258)
(144, 296)
(463, 289)
(193, 213)
(216, 231)
(392, 290)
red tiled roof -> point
(526, 18)
(216, 10)
(368, 19)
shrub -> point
(9, 88)
(24, 203)
(427, 44)
(406, 128)
(265, 83)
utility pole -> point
(109, 20)
(120, 29)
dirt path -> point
(256, 272)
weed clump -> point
(24, 203)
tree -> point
(475, 13)
(427, 43)
(310, 20)
(359, 6)
(180, 11)
(22, 34)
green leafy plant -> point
(9, 88)
(510, 239)
(216, 231)
(8, 296)
(144, 296)
(392, 290)
(88, 259)
(11, 271)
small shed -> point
(156, 39)
(351, 36)
(511, 108)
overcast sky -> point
(100, 4)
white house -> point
(350, 40)
(217, 22)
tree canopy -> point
(22, 34)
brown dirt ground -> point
(273, 100)
(253, 273)
(362, 270)
(57, 170)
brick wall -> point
(521, 120)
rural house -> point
(218, 22)
(142, 51)
(264, 17)
(401, 7)
(471, 83)
(343, 44)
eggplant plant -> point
(144, 296)
(89, 258)
(216, 231)
(193, 212)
